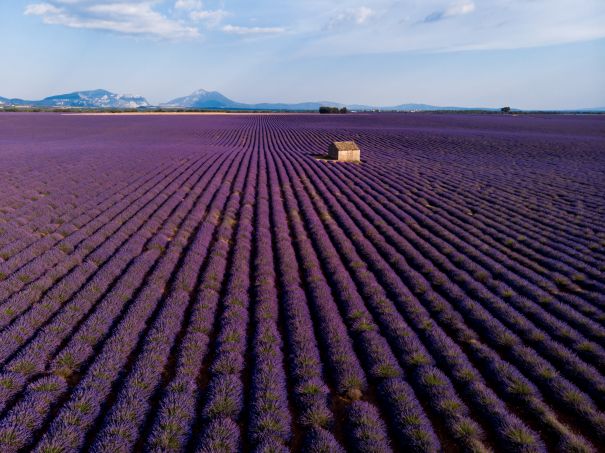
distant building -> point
(344, 151)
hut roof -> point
(345, 146)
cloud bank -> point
(131, 18)
(342, 27)
(356, 16)
(457, 25)
(180, 20)
(455, 9)
(239, 30)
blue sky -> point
(524, 53)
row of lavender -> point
(398, 246)
(238, 294)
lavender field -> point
(205, 283)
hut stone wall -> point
(344, 151)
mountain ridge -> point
(214, 100)
(83, 99)
(203, 99)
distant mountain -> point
(213, 100)
(426, 107)
(593, 110)
(5, 101)
(94, 99)
(203, 99)
(299, 106)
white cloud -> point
(237, 30)
(359, 16)
(211, 18)
(188, 4)
(40, 9)
(454, 25)
(362, 14)
(455, 9)
(197, 13)
(344, 27)
(131, 18)
(459, 9)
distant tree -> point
(344, 110)
(324, 109)
(505, 109)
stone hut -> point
(344, 151)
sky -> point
(528, 54)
